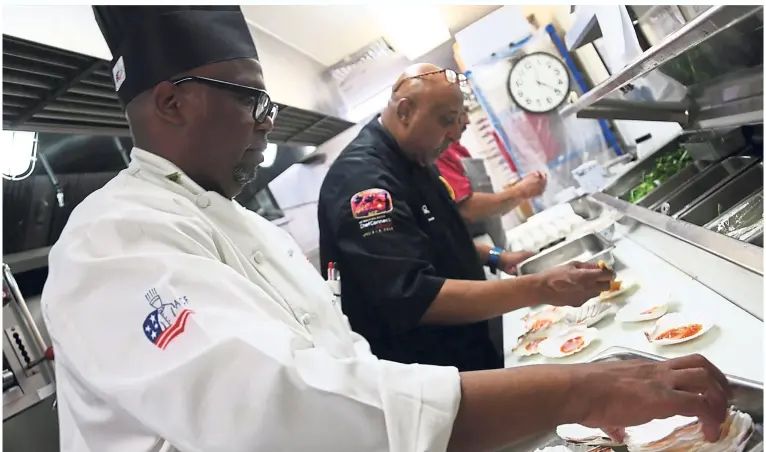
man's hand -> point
(510, 260)
(531, 186)
(574, 283)
(623, 394)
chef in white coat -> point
(182, 321)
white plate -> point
(626, 286)
(677, 320)
(551, 347)
(641, 312)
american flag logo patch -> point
(167, 321)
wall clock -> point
(539, 82)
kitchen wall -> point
(297, 190)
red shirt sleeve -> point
(451, 168)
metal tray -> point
(586, 207)
(622, 186)
(678, 180)
(748, 397)
(588, 248)
(703, 185)
(748, 182)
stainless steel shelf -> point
(740, 253)
(700, 29)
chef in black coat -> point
(412, 279)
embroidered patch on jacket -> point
(371, 203)
(167, 321)
(449, 187)
(175, 177)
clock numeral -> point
(529, 101)
(519, 83)
(557, 72)
(549, 100)
(557, 91)
(520, 94)
(561, 82)
(527, 66)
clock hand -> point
(545, 85)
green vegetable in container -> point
(665, 168)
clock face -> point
(539, 82)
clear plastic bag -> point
(538, 142)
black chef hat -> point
(151, 44)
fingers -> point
(699, 361)
(617, 434)
(596, 275)
(699, 382)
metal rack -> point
(732, 99)
(46, 89)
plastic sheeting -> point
(544, 142)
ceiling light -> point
(413, 30)
(269, 155)
(19, 154)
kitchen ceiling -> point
(328, 33)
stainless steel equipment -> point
(588, 248)
(749, 181)
(748, 397)
(24, 384)
(586, 208)
(709, 54)
(703, 185)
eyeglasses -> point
(264, 107)
(449, 74)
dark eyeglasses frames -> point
(264, 107)
(450, 75)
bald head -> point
(424, 112)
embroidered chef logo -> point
(449, 188)
(167, 321)
(371, 207)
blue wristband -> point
(494, 259)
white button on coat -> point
(258, 257)
(244, 366)
(203, 201)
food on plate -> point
(680, 433)
(579, 434)
(529, 342)
(568, 343)
(676, 328)
(642, 312)
(602, 265)
(616, 289)
(681, 332)
(544, 317)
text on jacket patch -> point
(167, 321)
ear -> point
(170, 103)
(404, 110)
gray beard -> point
(243, 175)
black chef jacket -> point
(396, 235)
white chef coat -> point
(262, 361)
